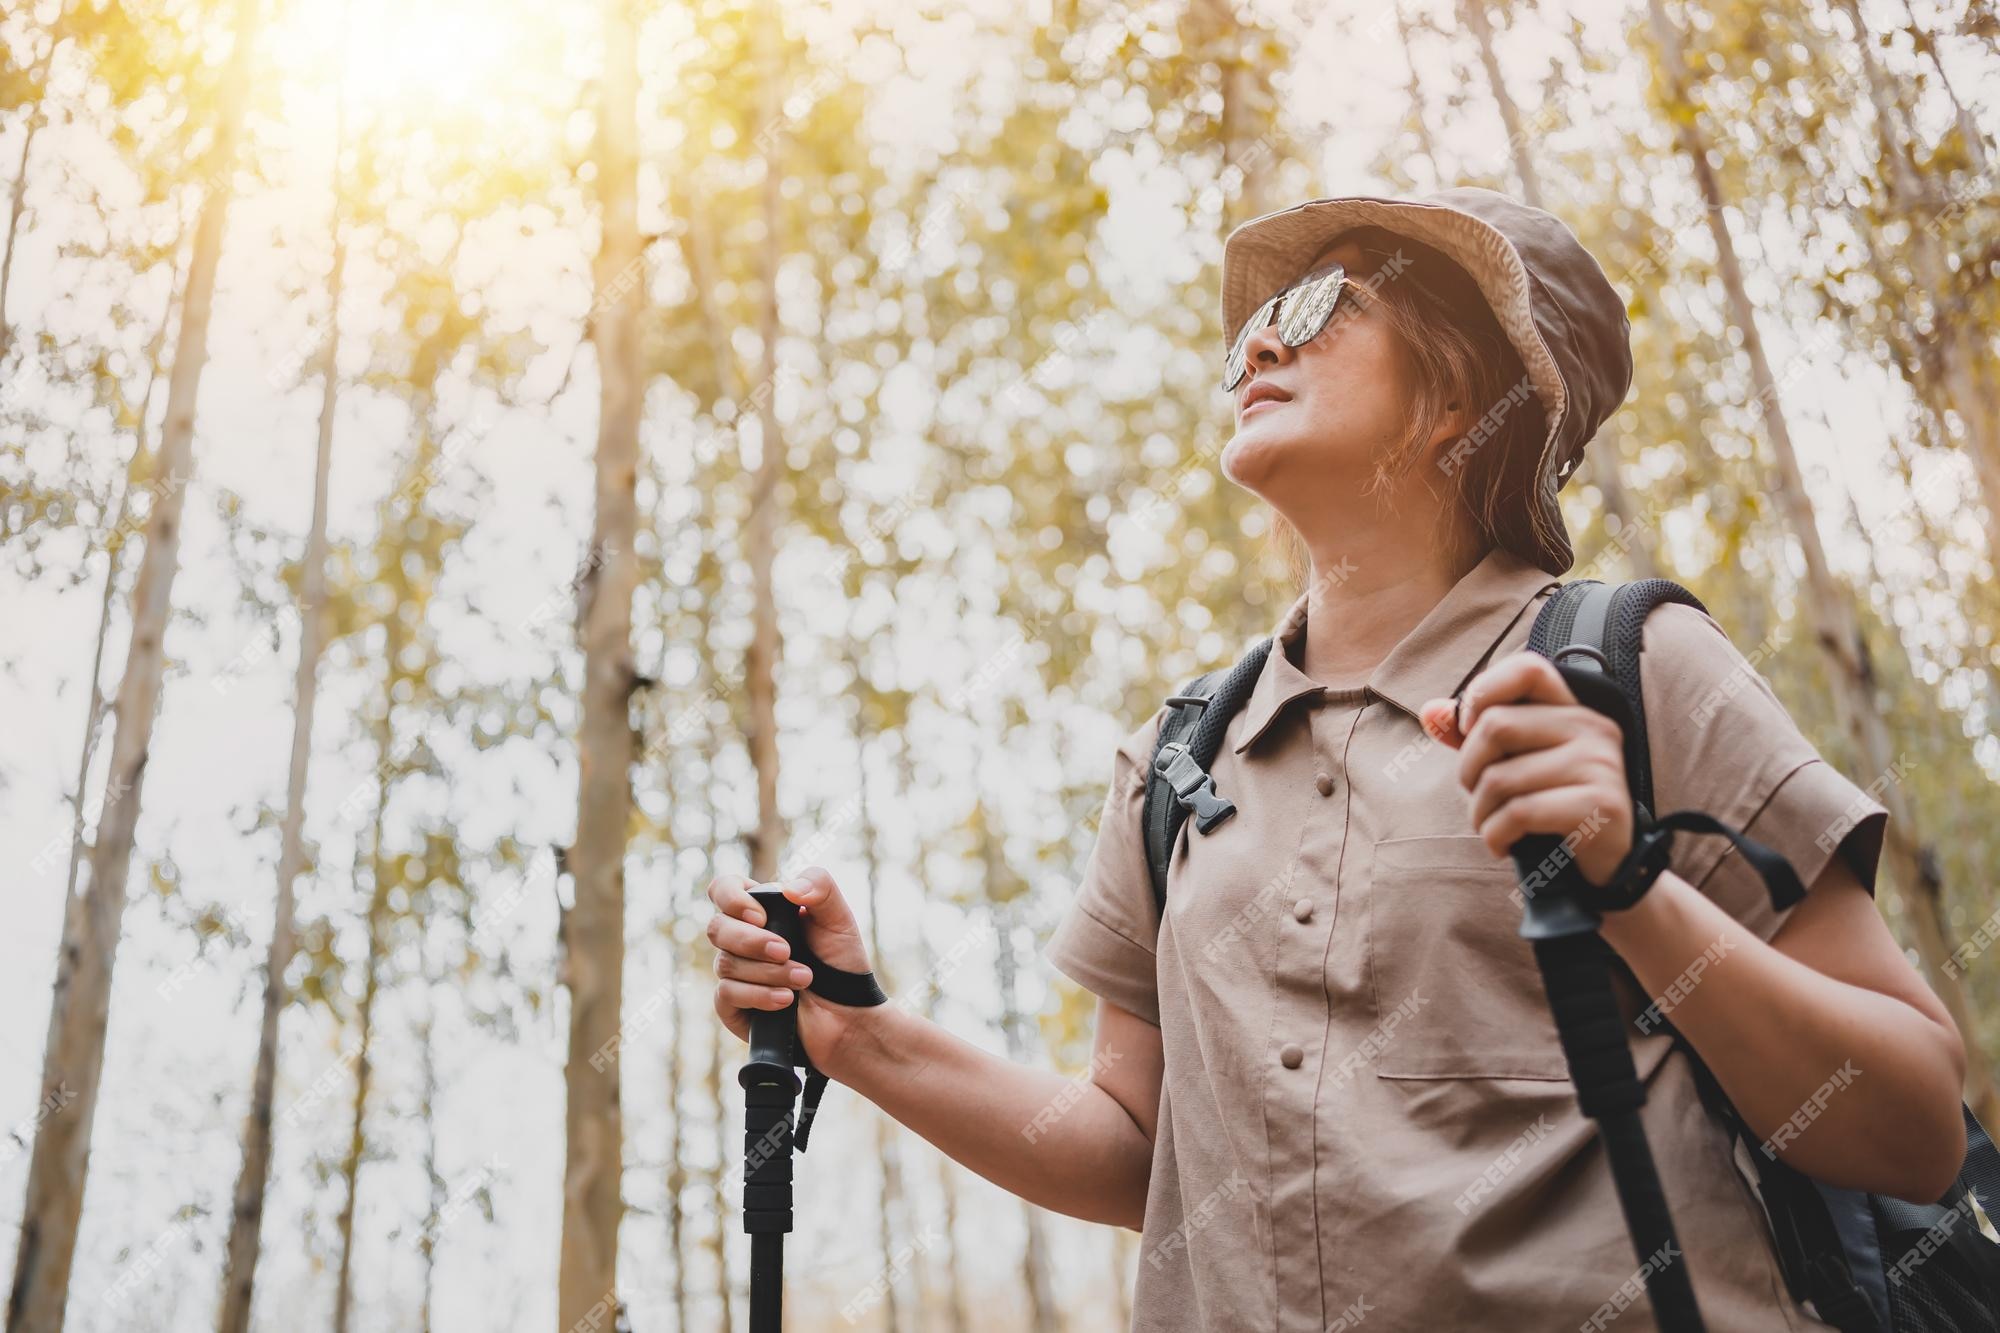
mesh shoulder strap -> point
(1190, 736)
(1610, 620)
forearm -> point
(1853, 1087)
(1064, 1144)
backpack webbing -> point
(1196, 718)
(1835, 1246)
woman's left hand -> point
(1537, 761)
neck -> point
(1371, 583)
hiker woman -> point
(1326, 1083)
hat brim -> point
(1262, 255)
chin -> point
(1257, 456)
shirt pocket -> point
(1457, 992)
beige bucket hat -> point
(1550, 297)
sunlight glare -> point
(408, 59)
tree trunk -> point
(434, 1214)
(891, 1203)
(959, 1312)
(722, 1207)
(1600, 465)
(1419, 118)
(761, 668)
(79, 1013)
(1043, 1311)
(357, 1135)
(18, 196)
(247, 1216)
(677, 1175)
(677, 1166)
(378, 911)
(594, 1148)
(115, 541)
(1829, 611)
(1248, 114)
(1962, 361)
(1968, 128)
(1472, 13)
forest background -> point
(471, 470)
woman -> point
(1326, 1085)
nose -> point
(1266, 350)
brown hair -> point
(1455, 352)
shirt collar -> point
(1432, 661)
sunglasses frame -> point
(1302, 310)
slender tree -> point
(247, 1215)
(376, 918)
(595, 926)
(116, 538)
(34, 119)
(761, 667)
(1827, 606)
(957, 1316)
(1002, 889)
(890, 1205)
(1600, 464)
(1962, 358)
(80, 1011)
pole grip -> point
(769, 1089)
(774, 1033)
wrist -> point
(1649, 919)
(871, 1040)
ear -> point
(1448, 449)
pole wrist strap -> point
(858, 990)
(1652, 843)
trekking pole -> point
(1576, 973)
(769, 1086)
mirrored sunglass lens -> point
(1233, 364)
(1308, 307)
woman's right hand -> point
(756, 971)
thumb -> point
(814, 890)
(1440, 721)
(830, 924)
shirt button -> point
(1292, 1056)
(1303, 909)
(1324, 781)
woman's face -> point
(1341, 404)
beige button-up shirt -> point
(1365, 1117)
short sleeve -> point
(1105, 940)
(1722, 743)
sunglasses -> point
(1301, 310)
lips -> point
(1262, 391)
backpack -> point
(1867, 1263)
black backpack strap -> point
(1178, 781)
(1610, 620)
(1823, 1236)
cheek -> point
(1355, 393)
